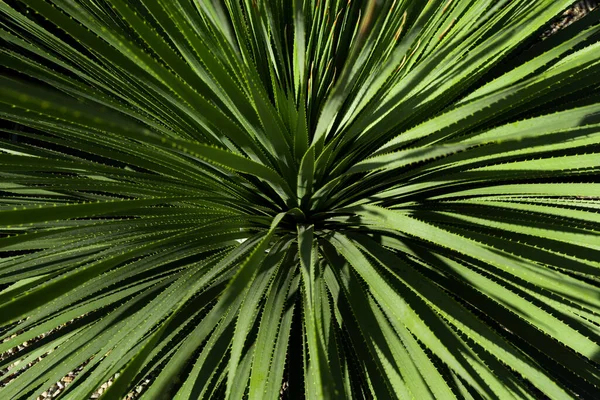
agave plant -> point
(316, 199)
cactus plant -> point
(320, 199)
